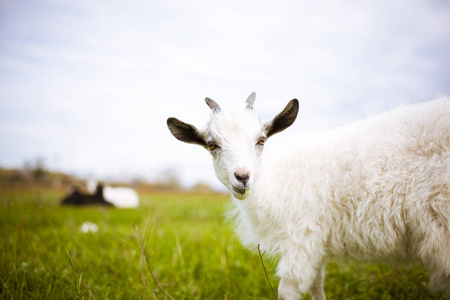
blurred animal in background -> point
(78, 198)
(120, 197)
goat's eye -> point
(212, 146)
(261, 141)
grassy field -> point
(191, 249)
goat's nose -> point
(242, 175)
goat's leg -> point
(288, 290)
(438, 260)
(300, 271)
(440, 281)
(436, 244)
(317, 292)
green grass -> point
(192, 251)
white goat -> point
(378, 190)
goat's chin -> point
(239, 193)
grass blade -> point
(144, 254)
(70, 260)
(265, 272)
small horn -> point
(212, 104)
(250, 100)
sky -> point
(87, 86)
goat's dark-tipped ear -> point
(283, 120)
(185, 132)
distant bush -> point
(37, 175)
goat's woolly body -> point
(378, 190)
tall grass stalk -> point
(144, 255)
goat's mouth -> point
(240, 192)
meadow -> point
(191, 250)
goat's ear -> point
(185, 132)
(283, 120)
